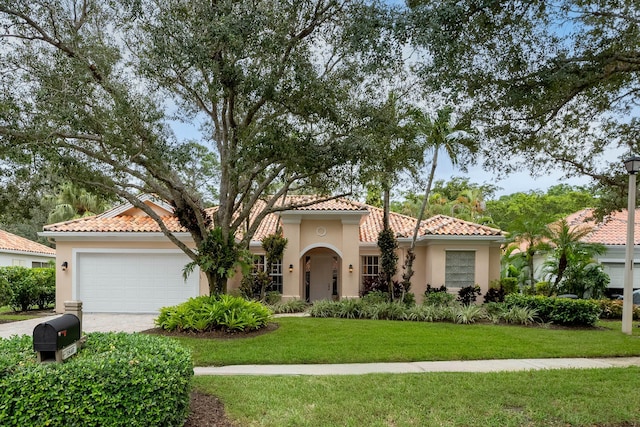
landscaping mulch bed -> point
(206, 411)
(217, 334)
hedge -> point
(24, 288)
(117, 379)
(560, 311)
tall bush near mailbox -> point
(118, 379)
(23, 288)
(44, 280)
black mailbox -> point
(56, 334)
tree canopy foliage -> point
(87, 86)
(558, 201)
(554, 82)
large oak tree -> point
(86, 86)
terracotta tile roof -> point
(442, 225)
(370, 224)
(117, 224)
(612, 230)
(11, 242)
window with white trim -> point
(370, 267)
(38, 264)
(460, 269)
(260, 264)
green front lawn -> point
(311, 340)
(605, 397)
(8, 315)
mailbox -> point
(56, 339)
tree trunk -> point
(531, 275)
(411, 256)
(562, 266)
(217, 283)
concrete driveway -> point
(91, 322)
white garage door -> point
(132, 282)
(616, 274)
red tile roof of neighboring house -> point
(370, 223)
(612, 230)
(11, 242)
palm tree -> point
(393, 148)
(439, 133)
(75, 202)
(530, 234)
(569, 248)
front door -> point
(321, 277)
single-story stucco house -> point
(18, 251)
(612, 233)
(120, 261)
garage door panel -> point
(134, 282)
(616, 274)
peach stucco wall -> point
(487, 264)
(308, 236)
(340, 236)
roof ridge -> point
(475, 224)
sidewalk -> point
(419, 367)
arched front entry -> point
(321, 274)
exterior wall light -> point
(64, 266)
(350, 268)
(290, 268)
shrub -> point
(29, 287)
(45, 284)
(115, 380)
(349, 308)
(575, 312)
(468, 313)
(610, 309)
(409, 299)
(437, 296)
(252, 284)
(519, 315)
(384, 311)
(207, 313)
(324, 308)
(290, 306)
(544, 288)
(5, 291)
(378, 284)
(421, 313)
(494, 295)
(272, 297)
(508, 284)
(468, 294)
(375, 297)
(560, 311)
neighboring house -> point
(18, 251)
(119, 261)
